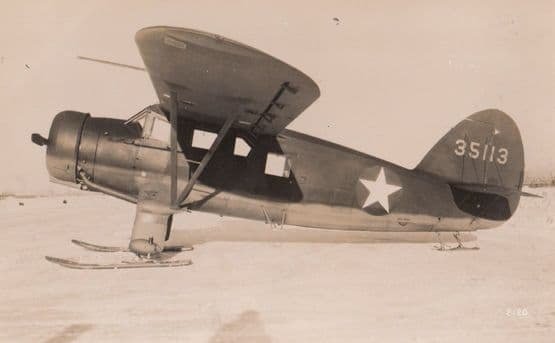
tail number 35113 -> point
(485, 152)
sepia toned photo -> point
(318, 171)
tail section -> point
(482, 159)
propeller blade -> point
(38, 139)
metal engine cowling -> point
(63, 145)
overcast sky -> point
(394, 75)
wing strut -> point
(223, 131)
(173, 149)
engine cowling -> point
(97, 146)
(63, 145)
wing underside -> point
(216, 78)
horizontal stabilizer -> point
(493, 189)
(526, 194)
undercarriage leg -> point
(149, 233)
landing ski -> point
(457, 248)
(102, 248)
(119, 265)
(463, 248)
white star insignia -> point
(379, 191)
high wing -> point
(216, 78)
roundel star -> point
(379, 191)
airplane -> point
(217, 142)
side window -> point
(242, 148)
(203, 139)
(277, 165)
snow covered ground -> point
(250, 283)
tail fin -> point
(482, 159)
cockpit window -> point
(161, 130)
(155, 127)
(141, 123)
